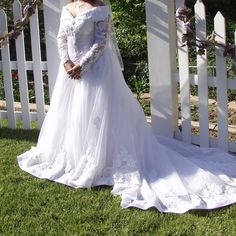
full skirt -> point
(95, 133)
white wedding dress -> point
(95, 133)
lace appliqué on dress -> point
(101, 39)
(125, 168)
(62, 44)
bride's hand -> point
(75, 72)
(68, 65)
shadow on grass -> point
(207, 212)
(19, 134)
(101, 187)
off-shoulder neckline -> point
(84, 12)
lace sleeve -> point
(101, 39)
(62, 42)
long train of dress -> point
(95, 133)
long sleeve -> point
(101, 38)
(62, 42)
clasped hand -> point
(73, 70)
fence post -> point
(37, 67)
(52, 12)
(221, 83)
(21, 69)
(161, 31)
(7, 75)
(184, 81)
(201, 34)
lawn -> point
(30, 206)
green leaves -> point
(130, 23)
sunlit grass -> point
(31, 206)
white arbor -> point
(161, 34)
(52, 12)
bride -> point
(95, 132)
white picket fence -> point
(220, 81)
(164, 76)
(22, 66)
(162, 33)
(51, 22)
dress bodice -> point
(83, 38)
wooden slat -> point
(52, 13)
(20, 53)
(173, 40)
(183, 59)
(7, 77)
(28, 64)
(221, 81)
(38, 79)
(200, 20)
(231, 83)
(213, 142)
(235, 41)
(19, 115)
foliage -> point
(2, 93)
(129, 19)
(189, 38)
(139, 81)
(31, 206)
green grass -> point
(31, 206)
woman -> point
(95, 132)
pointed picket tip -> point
(219, 21)
(17, 8)
(200, 8)
(16, 2)
(200, 20)
(220, 28)
(199, 3)
(2, 13)
(219, 16)
(3, 22)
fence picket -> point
(37, 68)
(235, 41)
(184, 85)
(20, 53)
(7, 76)
(221, 81)
(200, 22)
